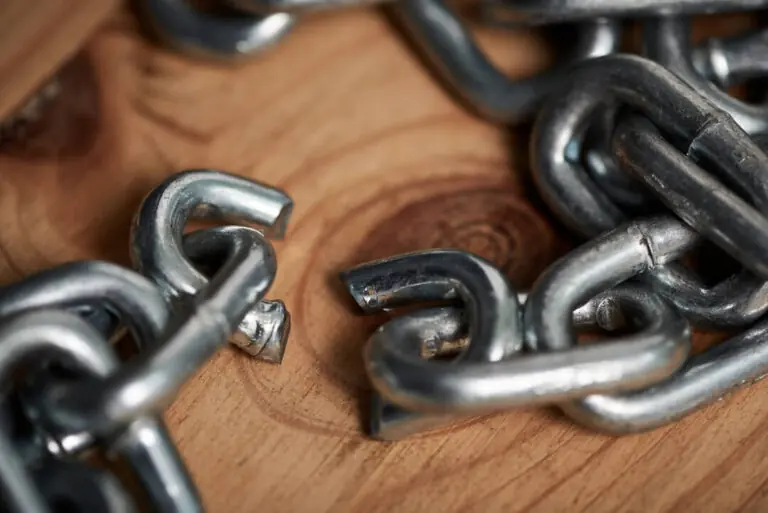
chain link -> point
(73, 394)
(646, 158)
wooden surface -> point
(379, 161)
(37, 37)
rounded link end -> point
(408, 381)
(382, 283)
(365, 296)
(235, 199)
(610, 416)
(264, 331)
(218, 38)
(280, 226)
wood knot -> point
(490, 221)
(60, 120)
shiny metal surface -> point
(443, 332)
(230, 36)
(557, 11)
(400, 375)
(438, 32)
(147, 445)
(491, 306)
(158, 252)
(562, 121)
(451, 275)
(28, 337)
(127, 295)
(667, 40)
(145, 314)
(622, 187)
(148, 382)
(599, 265)
(646, 157)
(706, 378)
(389, 421)
(100, 404)
(579, 202)
(732, 60)
(738, 300)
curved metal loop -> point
(711, 209)
(444, 333)
(78, 488)
(138, 304)
(732, 60)
(667, 41)
(229, 37)
(400, 376)
(437, 328)
(734, 302)
(433, 276)
(581, 204)
(298, 6)
(22, 339)
(157, 249)
(149, 382)
(737, 301)
(599, 265)
(643, 85)
(448, 45)
(491, 304)
(94, 285)
(536, 12)
(146, 443)
(621, 186)
(705, 379)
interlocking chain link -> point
(619, 138)
(646, 157)
(75, 396)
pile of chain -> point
(658, 168)
(80, 426)
(646, 158)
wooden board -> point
(38, 37)
(379, 161)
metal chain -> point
(67, 394)
(618, 138)
(647, 158)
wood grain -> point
(36, 38)
(379, 160)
